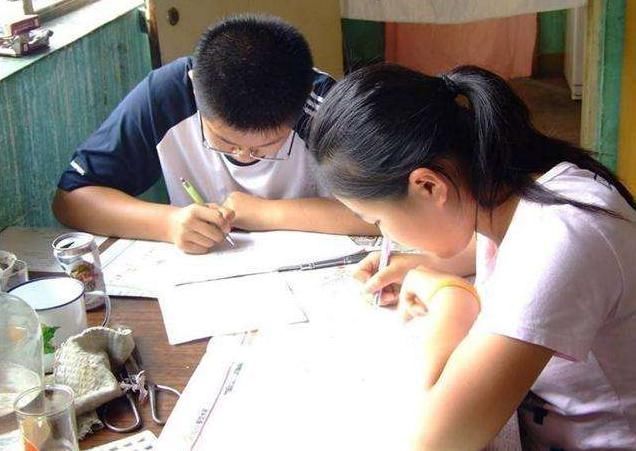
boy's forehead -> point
(253, 138)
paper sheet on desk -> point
(140, 265)
(33, 245)
(131, 267)
(306, 388)
(227, 306)
(305, 373)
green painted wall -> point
(51, 106)
(600, 108)
(363, 43)
(552, 32)
(610, 70)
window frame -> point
(59, 8)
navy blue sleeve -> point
(323, 82)
(122, 152)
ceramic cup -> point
(59, 302)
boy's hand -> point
(390, 278)
(248, 210)
(196, 229)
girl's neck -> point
(494, 224)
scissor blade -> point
(132, 365)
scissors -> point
(133, 378)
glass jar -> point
(20, 362)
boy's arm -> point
(110, 212)
(307, 214)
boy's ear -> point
(190, 74)
(429, 185)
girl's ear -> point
(429, 186)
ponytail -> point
(382, 122)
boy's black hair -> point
(382, 122)
(252, 71)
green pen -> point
(197, 199)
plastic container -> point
(20, 362)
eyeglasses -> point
(257, 154)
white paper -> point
(227, 306)
(34, 246)
(136, 270)
(346, 380)
(303, 388)
(131, 267)
(201, 393)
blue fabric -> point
(122, 152)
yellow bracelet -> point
(456, 283)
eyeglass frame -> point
(239, 150)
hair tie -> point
(451, 86)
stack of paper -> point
(305, 387)
(229, 290)
(135, 270)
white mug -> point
(60, 305)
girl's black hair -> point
(382, 122)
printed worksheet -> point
(143, 268)
(228, 306)
(315, 388)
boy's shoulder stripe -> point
(312, 104)
(321, 85)
(316, 97)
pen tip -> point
(182, 179)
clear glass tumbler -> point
(20, 362)
(46, 416)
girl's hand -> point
(423, 287)
(388, 279)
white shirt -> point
(565, 279)
(181, 154)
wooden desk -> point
(167, 364)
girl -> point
(438, 161)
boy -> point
(233, 121)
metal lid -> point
(72, 244)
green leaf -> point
(48, 333)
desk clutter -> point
(231, 291)
(295, 356)
(23, 35)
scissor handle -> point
(133, 407)
(153, 389)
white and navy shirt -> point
(155, 131)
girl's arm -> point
(471, 382)
(446, 307)
(479, 389)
